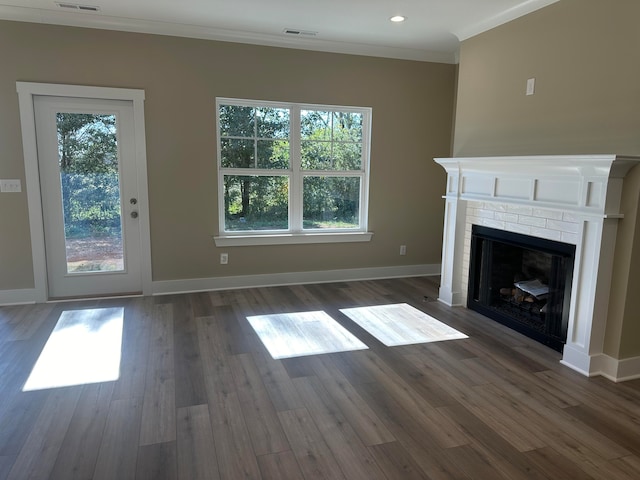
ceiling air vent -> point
(299, 33)
(76, 6)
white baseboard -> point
(17, 297)
(28, 295)
(601, 364)
(617, 370)
(165, 287)
(576, 359)
(450, 298)
(628, 369)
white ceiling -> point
(432, 31)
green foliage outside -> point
(256, 202)
(258, 138)
(88, 156)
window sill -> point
(291, 239)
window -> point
(292, 173)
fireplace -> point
(523, 282)
(570, 199)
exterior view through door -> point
(88, 181)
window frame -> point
(296, 233)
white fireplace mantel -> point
(585, 187)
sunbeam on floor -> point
(84, 347)
(401, 324)
(288, 335)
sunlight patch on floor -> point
(401, 324)
(84, 347)
(288, 335)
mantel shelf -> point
(580, 184)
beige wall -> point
(412, 117)
(584, 55)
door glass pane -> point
(88, 160)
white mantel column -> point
(450, 292)
(589, 297)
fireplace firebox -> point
(523, 282)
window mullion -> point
(296, 179)
(255, 137)
(366, 165)
(221, 190)
(331, 142)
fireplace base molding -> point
(603, 365)
(569, 198)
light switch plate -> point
(531, 86)
(10, 186)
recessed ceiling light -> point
(398, 18)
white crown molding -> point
(503, 17)
(104, 22)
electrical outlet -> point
(10, 186)
(224, 258)
(403, 249)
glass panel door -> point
(88, 183)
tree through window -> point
(289, 168)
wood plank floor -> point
(199, 397)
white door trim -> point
(26, 92)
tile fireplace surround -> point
(573, 199)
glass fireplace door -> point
(523, 282)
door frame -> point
(26, 93)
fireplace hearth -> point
(523, 282)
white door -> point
(88, 182)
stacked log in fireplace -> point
(525, 300)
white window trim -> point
(293, 236)
(291, 239)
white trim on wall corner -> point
(166, 287)
(17, 297)
(506, 16)
(628, 369)
(602, 365)
(616, 370)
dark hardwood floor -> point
(199, 397)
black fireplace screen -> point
(523, 282)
